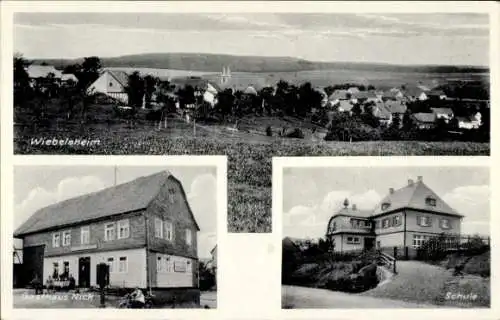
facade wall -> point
(342, 244)
(135, 274)
(97, 241)
(171, 205)
(343, 223)
(379, 229)
(390, 240)
(108, 85)
(411, 224)
(173, 271)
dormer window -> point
(385, 206)
(430, 201)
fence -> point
(438, 246)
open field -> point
(322, 78)
(249, 153)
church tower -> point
(226, 75)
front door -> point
(369, 242)
(84, 272)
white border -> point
(389, 162)
(250, 263)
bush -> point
(269, 131)
(296, 133)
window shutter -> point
(430, 221)
(419, 219)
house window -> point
(109, 232)
(85, 235)
(56, 240)
(419, 240)
(385, 223)
(65, 274)
(160, 264)
(169, 231)
(66, 238)
(424, 221)
(368, 224)
(353, 240)
(169, 266)
(111, 84)
(385, 206)
(430, 201)
(445, 224)
(171, 195)
(158, 228)
(396, 220)
(123, 266)
(111, 262)
(123, 229)
(189, 237)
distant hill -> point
(215, 62)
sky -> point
(38, 186)
(312, 195)
(451, 39)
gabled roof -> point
(364, 94)
(381, 112)
(442, 110)
(395, 106)
(37, 71)
(413, 196)
(425, 117)
(338, 94)
(69, 76)
(413, 91)
(349, 211)
(127, 197)
(345, 105)
(436, 93)
(120, 76)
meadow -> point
(249, 154)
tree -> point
(356, 110)
(135, 90)
(21, 79)
(89, 71)
(368, 117)
(150, 84)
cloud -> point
(474, 203)
(202, 198)
(68, 188)
(310, 221)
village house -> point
(405, 217)
(143, 229)
(415, 93)
(436, 94)
(381, 112)
(40, 76)
(68, 79)
(337, 96)
(396, 109)
(469, 122)
(344, 106)
(443, 113)
(424, 120)
(364, 96)
(112, 83)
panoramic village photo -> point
(251, 86)
(115, 237)
(386, 237)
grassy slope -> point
(249, 157)
(420, 282)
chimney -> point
(354, 207)
(410, 182)
(420, 179)
(391, 190)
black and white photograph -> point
(139, 237)
(386, 237)
(251, 85)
